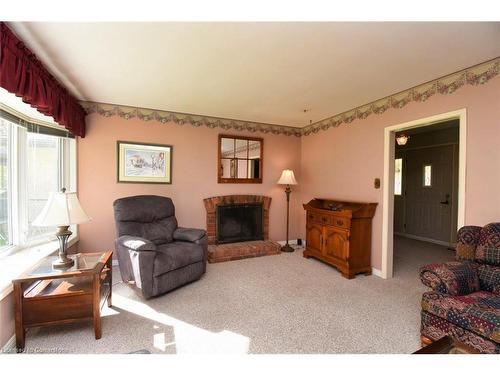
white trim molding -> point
(27, 118)
(424, 239)
(376, 272)
(10, 346)
(291, 242)
(388, 185)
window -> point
(35, 160)
(5, 229)
(427, 175)
(42, 176)
(398, 176)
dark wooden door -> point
(314, 237)
(336, 243)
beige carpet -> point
(274, 304)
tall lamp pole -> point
(287, 178)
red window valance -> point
(22, 74)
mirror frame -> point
(223, 180)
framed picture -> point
(144, 163)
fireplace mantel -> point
(211, 207)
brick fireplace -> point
(239, 250)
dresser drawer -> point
(319, 218)
(340, 222)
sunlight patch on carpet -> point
(189, 339)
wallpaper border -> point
(165, 117)
(473, 76)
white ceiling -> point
(262, 72)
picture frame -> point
(240, 159)
(144, 163)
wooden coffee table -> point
(46, 296)
(447, 345)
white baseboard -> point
(291, 242)
(9, 346)
(376, 272)
(425, 239)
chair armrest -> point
(197, 236)
(136, 257)
(135, 243)
(188, 234)
(453, 278)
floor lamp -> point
(287, 178)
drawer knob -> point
(340, 222)
(323, 218)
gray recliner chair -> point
(153, 252)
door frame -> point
(388, 182)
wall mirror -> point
(240, 159)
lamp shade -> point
(61, 209)
(402, 139)
(287, 178)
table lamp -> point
(287, 178)
(62, 209)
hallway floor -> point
(410, 255)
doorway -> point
(425, 196)
(426, 184)
(429, 202)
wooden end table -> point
(45, 296)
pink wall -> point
(6, 319)
(342, 162)
(194, 175)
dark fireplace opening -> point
(239, 222)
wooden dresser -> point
(340, 233)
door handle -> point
(447, 199)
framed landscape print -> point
(144, 163)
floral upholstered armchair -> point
(465, 297)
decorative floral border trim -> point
(473, 76)
(127, 113)
(476, 75)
